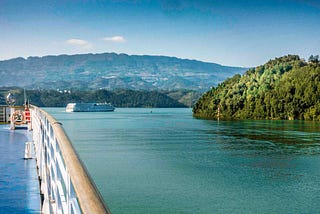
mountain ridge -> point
(113, 71)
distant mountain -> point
(113, 71)
(286, 88)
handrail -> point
(86, 194)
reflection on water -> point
(268, 137)
(167, 161)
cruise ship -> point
(89, 107)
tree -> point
(314, 59)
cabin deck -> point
(19, 184)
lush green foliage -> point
(119, 98)
(284, 88)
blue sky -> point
(236, 32)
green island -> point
(286, 88)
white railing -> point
(65, 184)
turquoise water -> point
(165, 161)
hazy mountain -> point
(113, 71)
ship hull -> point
(89, 107)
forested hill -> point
(284, 88)
(118, 98)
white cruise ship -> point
(89, 107)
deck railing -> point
(3, 114)
(66, 186)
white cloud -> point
(117, 39)
(79, 43)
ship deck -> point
(19, 184)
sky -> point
(236, 33)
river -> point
(166, 161)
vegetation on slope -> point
(119, 98)
(284, 88)
(112, 71)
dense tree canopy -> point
(283, 88)
(118, 98)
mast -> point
(26, 101)
(25, 97)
